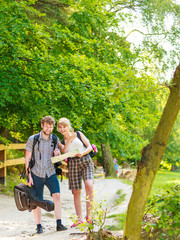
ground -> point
(17, 225)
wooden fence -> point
(4, 162)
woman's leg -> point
(77, 203)
(89, 196)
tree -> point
(108, 160)
(150, 161)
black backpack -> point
(32, 161)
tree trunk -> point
(151, 157)
(108, 160)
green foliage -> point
(73, 59)
(165, 209)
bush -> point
(165, 214)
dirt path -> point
(16, 225)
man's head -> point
(47, 124)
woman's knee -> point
(76, 192)
(89, 185)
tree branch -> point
(147, 34)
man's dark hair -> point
(48, 119)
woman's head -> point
(64, 123)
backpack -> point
(32, 161)
(94, 150)
(26, 199)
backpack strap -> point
(54, 140)
(79, 136)
(35, 140)
(63, 142)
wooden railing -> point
(4, 162)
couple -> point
(43, 172)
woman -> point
(80, 167)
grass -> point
(12, 179)
(120, 199)
(163, 179)
(120, 222)
(125, 181)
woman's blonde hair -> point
(64, 122)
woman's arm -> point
(65, 148)
(87, 143)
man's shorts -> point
(80, 168)
(52, 184)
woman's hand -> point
(72, 136)
(79, 155)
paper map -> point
(64, 156)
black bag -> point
(26, 199)
(32, 161)
(92, 153)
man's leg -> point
(38, 187)
(89, 196)
(57, 203)
(37, 215)
(77, 203)
(53, 185)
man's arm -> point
(28, 170)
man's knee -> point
(56, 197)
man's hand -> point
(30, 180)
(56, 152)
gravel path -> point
(16, 225)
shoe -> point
(90, 221)
(39, 230)
(61, 227)
(76, 224)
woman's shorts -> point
(52, 184)
(80, 168)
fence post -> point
(3, 170)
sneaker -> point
(61, 227)
(76, 224)
(39, 230)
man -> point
(43, 171)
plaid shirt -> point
(43, 151)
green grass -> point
(12, 180)
(163, 179)
(125, 181)
(120, 199)
(120, 222)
